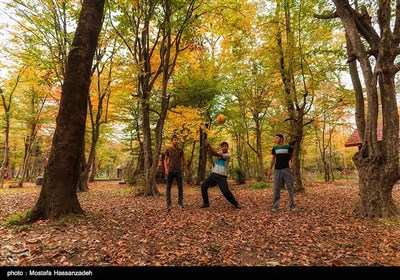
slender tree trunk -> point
(82, 185)
(4, 164)
(239, 149)
(190, 162)
(87, 165)
(260, 166)
(331, 169)
(247, 163)
(201, 168)
(58, 195)
(28, 146)
(92, 172)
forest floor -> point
(121, 229)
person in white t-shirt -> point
(218, 176)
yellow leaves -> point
(185, 122)
(277, 82)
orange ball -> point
(221, 118)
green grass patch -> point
(259, 185)
(17, 219)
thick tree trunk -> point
(375, 52)
(58, 195)
(376, 180)
(150, 188)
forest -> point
(92, 91)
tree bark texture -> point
(58, 196)
(375, 48)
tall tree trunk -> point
(87, 165)
(239, 150)
(28, 147)
(297, 143)
(296, 99)
(58, 195)
(150, 188)
(101, 116)
(190, 163)
(331, 169)
(201, 168)
(260, 166)
(377, 161)
(4, 164)
(93, 170)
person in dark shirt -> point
(174, 163)
(282, 160)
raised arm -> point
(212, 151)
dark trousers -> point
(170, 178)
(213, 180)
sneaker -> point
(293, 208)
(274, 209)
(205, 205)
(237, 206)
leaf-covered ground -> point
(121, 229)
